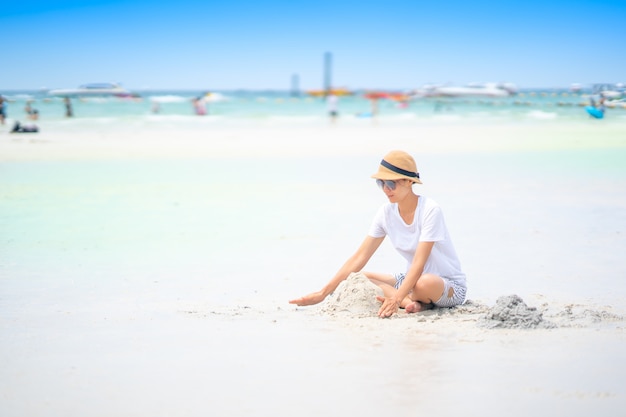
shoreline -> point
(306, 141)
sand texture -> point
(147, 272)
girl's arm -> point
(390, 305)
(355, 263)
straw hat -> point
(398, 165)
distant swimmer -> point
(596, 110)
(3, 109)
(199, 106)
(31, 113)
(374, 102)
(332, 102)
(69, 112)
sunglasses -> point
(391, 184)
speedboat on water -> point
(610, 91)
(473, 90)
(575, 87)
(94, 89)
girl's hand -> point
(307, 300)
(389, 308)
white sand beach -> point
(147, 272)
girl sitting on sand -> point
(417, 230)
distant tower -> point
(295, 85)
(328, 69)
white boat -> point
(473, 90)
(94, 89)
(610, 91)
(575, 87)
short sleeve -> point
(377, 228)
(433, 225)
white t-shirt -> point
(428, 226)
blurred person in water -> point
(199, 106)
(69, 112)
(332, 105)
(3, 109)
(31, 113)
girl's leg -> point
(380, 278)
(387, 283)
(428, 289)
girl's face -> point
(395, 190)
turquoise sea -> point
(275, 108)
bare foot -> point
(416, 307)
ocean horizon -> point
(277, 107)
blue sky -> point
(395, 44)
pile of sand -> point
(356, 297)
(511, 312)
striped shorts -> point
(458, 296)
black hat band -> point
(399, 170)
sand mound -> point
(356, 296)
(511, 312)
